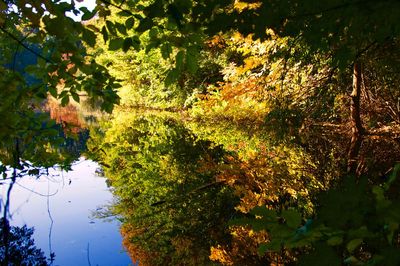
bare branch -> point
(20, 42)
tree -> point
(345, 30)
(21, 249)
(173, 208)
(43, 52)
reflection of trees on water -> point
(75, 145)
(20, 246)
(172, 207)
(46, 145)
(17, 247)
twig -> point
(88, 255)
(37, 193)
(24, 45)
(51, 222)
(17, 49)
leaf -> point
(191, 59)
(75, 96)
(121, 28)
(335, 241)
(352, 261)
(33, 172)
(136, 43)
(89, 37)
(53, 91)
(87, 15)
(392, 228)
(392, 176)
(127, 44)
(172, 76)
(381, 201)
(53, 26)
(93, 28)
(292, 217)
(179, 60)
(65, 101)
(262, 249)
(124, 13)
(116, 44)
(240, 221)
(166, 50)
(264, 212)
(153, 33)
(145, 24)
(111, 27)
(104, 33)
(353, 244)
(129, 23)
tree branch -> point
(116, 6)
(20, 42)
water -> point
(64, 222)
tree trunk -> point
(355, 116)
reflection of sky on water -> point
(77, 194)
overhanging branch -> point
(20, 42)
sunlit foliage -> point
(229, 109)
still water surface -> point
(64, 222)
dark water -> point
(65, 221)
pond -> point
(64, 209)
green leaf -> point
(352, 261)
(392, 228)
(335, 241)
(239, 221)
(103, 13)
(172, 76)
(87, 15)
(121, 28)
(104, 32)
(129, 23)
(127, 44)
(136, 43)
(381, 201)
(292, 217)
(166, 50)
(392, 176)
(116, 44)
(89, 37)
(191, 59)
(264, 212)
(111, 27)
(353, 244)
(75, 96)
(145, 24)
(65, 101)
(53, 26)
(124, 14)
(179, 62)
(262, 249)
(153, 33)
(274, 245)
(93, 28)
(53, 91)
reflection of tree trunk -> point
(5, 238)
(355, 116)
